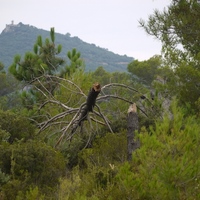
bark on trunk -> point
(90, 103)
(132, 126)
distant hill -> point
(20, 38)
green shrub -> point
(31, 164)
(17, 127)
(166, 166)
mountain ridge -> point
(20, 38)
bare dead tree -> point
(70, 118)
(84, 110)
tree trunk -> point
(132, 126)
(90, 103)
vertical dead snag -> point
(88, 107)
(132, 126)
(91, 98)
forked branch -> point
(71, 118)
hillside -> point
(20, 38)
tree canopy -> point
(178, 29)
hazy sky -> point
(111, 24)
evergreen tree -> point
(43, 60)
(146, 70)
(41, 69)
(178, 28)
(75, 62)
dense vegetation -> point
(19, 38)
(43, 157)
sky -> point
(110, 24)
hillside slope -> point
(20, 38)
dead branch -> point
(70, 82)
(105, 120)
(81, 113)
(46, 124)
(115, 97)
(120, 98)
(126, 87)
(64, 130)
(55, 102)
(97, 121)
(88, 107)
